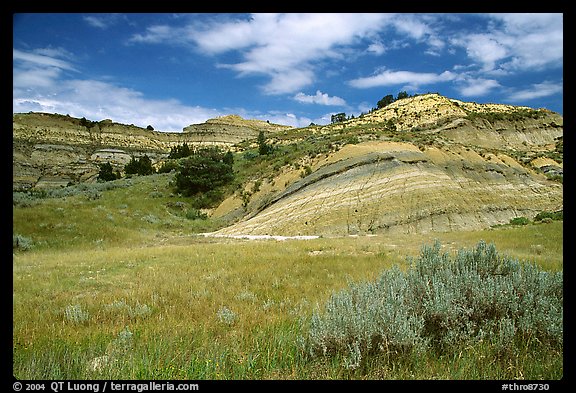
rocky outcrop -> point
(51, 150)
(230, 129)
(399, 188)
(480, 165)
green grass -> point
(161, 302)
(141, 210)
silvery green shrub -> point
(75, 313)
(226, 316)
(439, 303)
(23, 199)
(20, 242)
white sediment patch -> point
(260, 237)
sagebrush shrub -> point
(439, 303)
(20, 242)
(226, 316)
(75, 313)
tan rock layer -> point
(406, 196)
(51, 150)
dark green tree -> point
(228, 159)
(131, 168)
(180, 151)
(150, 128)
(386, 100)
(87, 123)
(142, 166)
(263, 147)
(401, 95)
(107, 172)
(338, 117)
(204, 172)
(146, 167)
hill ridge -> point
(420, 164)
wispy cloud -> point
(98, 100)
(319, 98)
(515, 42)
(158, 34)
(286, 48)
(478, 87)
(39, 85)
(537, 90)
(377, 48)
(485, 49)
(103, 21)
(295, 55)
(39, 67)
(391, 78)
(499, 45)
(46, 57)
(291, 49)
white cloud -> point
(97, 100)
(39, 67)
(284, 47)
(516, 42)
(319, 98)
(95, 22)
(478, 87)
(389, 78)
(412, 26)
(38, 85)
(42, 58)
(29, 78)
(537, 90)
(159, 33)
(103, 21)
(376, 48)
(486, 49)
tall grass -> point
(267, 286)
(141, 210)
(122, 287)
(72, 306)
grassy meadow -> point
(117, 283)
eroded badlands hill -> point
(51, 150)
(231, 129)
(425, 163)
(379, 187)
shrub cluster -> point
(441, 303)
(75, 313)
(517, 115)
(180, 151)
(91, 191)
(553, 216)
(20, 242)
(141, 166)
(203, 175)
(106, 172)
(542, 217)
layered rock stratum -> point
(448, 165)
(382, 187)
(421, 164)
(52, 150)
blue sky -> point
(172, 70)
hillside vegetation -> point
(459, 166)
(434, 247)
(119, 286)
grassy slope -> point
(206, 308)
